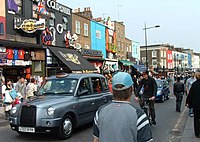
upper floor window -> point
(78, 27)
(1, 28)
(19, 4)
(98, 34)
(52, 19)
(14, 6)
(34, 7)
(154, 54)
(65, 23)
(85, 29)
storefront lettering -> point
(91, 52)
(70, 57)
(56, 6)
(59, 28)
(29, 25)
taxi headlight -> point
(14, 110)
(50, 111)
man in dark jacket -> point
(178, 92)
(150, 91)
(193, 100)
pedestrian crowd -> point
(122, 121)
(15, 93)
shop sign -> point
(90, 52)
(58, 7)
(29, 25)
(70, 57)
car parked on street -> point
(162, 90)
(63, 103)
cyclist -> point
(149, 92)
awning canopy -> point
(126, 63)
(72, 59)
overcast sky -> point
(179, 20)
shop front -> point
(21, 59)
(66, 60)
(95, 57)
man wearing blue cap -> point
(119, 121)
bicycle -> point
(146, 108)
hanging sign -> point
(29, 25)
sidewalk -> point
(188, 133)
(3, 121)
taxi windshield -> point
(62, 86)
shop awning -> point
(126, 63)
(72, 59)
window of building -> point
(119, 43)
(78, 27)
(38, 66)
(154, 53)
(110, 39)
(85, 29)
(98, 34)
(1, 28)
(65, 23)
(52, 19)
(35, 15)
(19, 4)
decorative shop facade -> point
(29, 26)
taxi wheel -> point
(66, 127)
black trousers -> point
(179, 98)
(151, 107)
(196, 112)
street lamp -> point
(145, 32)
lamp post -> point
(145, 32)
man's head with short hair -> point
(145, 74)
(122, 86)
(197, 75)
(178, 78)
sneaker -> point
(191, 115)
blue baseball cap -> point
(121, 78)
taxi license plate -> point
(27, 129)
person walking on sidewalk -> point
(21, 88)
(119, 121)
(6, 89)
(188, 85)
(178, 92)
(31, 89)
(193, 100)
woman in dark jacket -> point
(193, 100)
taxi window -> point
(59, 86)
(96, 85)
(84, 85)
(104, 84)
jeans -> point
(179, 98)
